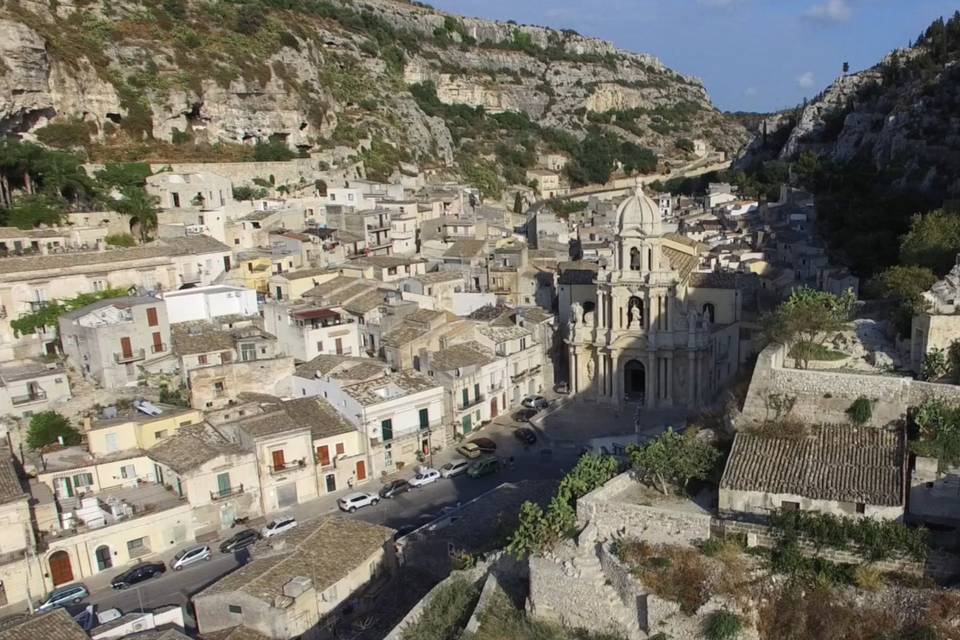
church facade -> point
(656, 334)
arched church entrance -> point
(634, 381)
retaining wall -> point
(824, 396)
(654, 524)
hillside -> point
(184, 79)
(876, 147)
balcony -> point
(223, 494)
(287, 467)
(133, 356)
(344, 351)
(462, 406)
(158, 348)
(36, 395)
(380, 226)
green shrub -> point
(47, 427)
(445, 614)
(274, 150)
(65, 135)
(860, 411)
(723, 625)
(121, 240)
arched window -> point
(589, 306)
(634, 259)
(709, 312)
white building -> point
(200, 190)
(524, 357)
(207, 303)
(474, 382)
(401, 414)
(305, 331)
(28, 387)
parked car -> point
(394, 488)
(353, 501)
(238, 541)
(486, 445)
(63, 596)
(278, 526)
(525, 435)
(455, 467)
(139, 573)
(524, 415)
(535, 402)
(424, 477)
(189, 556)
(469, 450)
(483, 467)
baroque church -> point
(656, 333)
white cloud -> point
(806, 80)
(830, 12)
(750, 92)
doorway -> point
(61, 570)
(634, 381)
(104, 560)
(493, 408)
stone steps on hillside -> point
(590, 570)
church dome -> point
(639, 213)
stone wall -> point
(824, 396)
(619, 577)
(758, 535)
(656, 525)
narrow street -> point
(415, 508)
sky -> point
(752, 55)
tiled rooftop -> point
(461, 355)
(834, 462)
(10, 487)
(192, 447)
(55, 625)
(389, 387)
(324, 551)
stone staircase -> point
(621, 617)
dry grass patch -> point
(673, 573)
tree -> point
(244, 192)
(120, 175)
(141, 207)
(934, 365)
(48, 427)
(673, 459)
(903, 285)
(807, 318)
(933, 241)
(47, 315)
(28, 212)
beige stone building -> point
(111, 340)
(474, 382)
(31, 386)
(837, 469)
(648, 338)
(939, 325)
(30, 282)
(293, 582)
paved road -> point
(414, 508)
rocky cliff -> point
(898, 118)
(168, 79)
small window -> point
(160, 435)
(790, 506)
(235, 608)
(202, 359)
(861, 507)
(929, 485)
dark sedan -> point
(394, 488)
(239, 541)
(139, 573)
(524, 415)
(525, 435)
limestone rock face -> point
(328, 79)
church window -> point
(634, 259)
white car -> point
(354, 501)
(278, 526)
(189, 556)
(535, 402)
(454, 467)
(424, 477)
